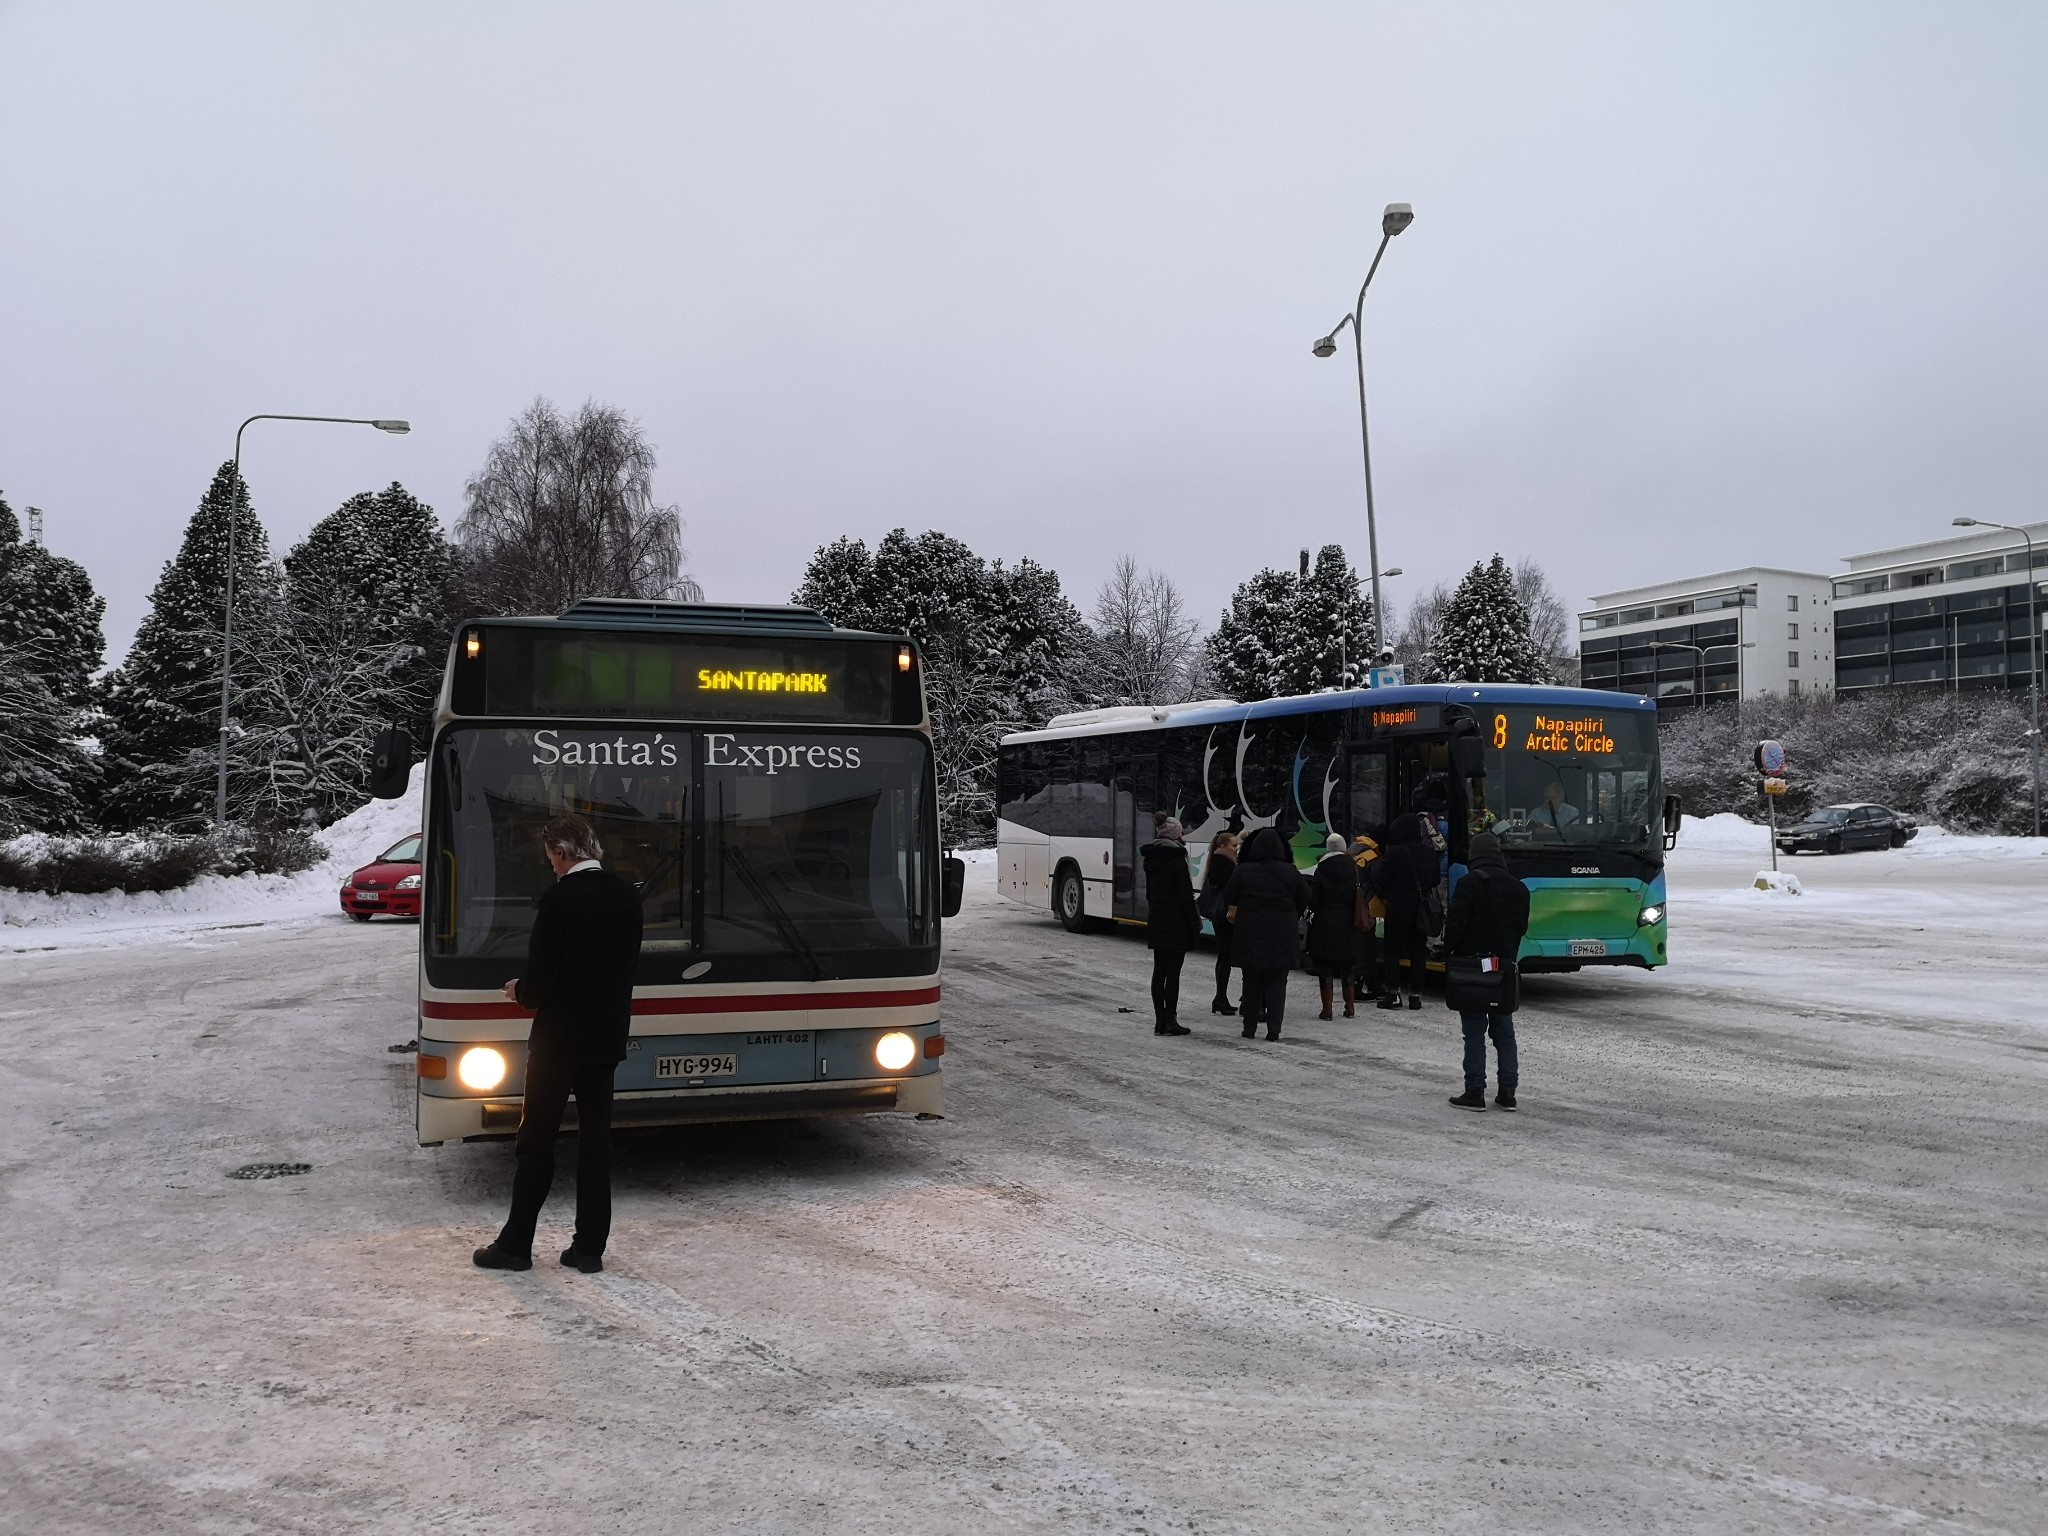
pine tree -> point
(1002, 647)
(384, 552)
(161, 704)
(1285, 634)
(1482, 635)
(50, 645)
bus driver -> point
(1555, 812)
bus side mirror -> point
(390, 763)
(954, 881)
(1468, 757)
(1674, 813)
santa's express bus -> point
(766, 781)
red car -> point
(388, 883)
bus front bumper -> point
(495, 1117)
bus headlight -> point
(480, 1068)
(895, 1051)
(1650, 916)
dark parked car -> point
(1840, 828)
(388, 883)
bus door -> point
(1135, 792)
(1362, 800)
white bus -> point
(766, 781)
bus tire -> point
(1070, 900)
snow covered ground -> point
(31, 920)
(1761, 1251)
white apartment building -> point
(1734, 634)
(1955, 612)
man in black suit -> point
(580, 961)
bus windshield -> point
(1569, 776)
(766, 854)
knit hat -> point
(1334, 843)
(1169, 828)
(1486, 843)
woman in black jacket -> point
(1171, 922)
(1216, 872)
(1333, 924)
(1489, 915)
(1267, 896)
(1403, 876)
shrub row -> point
(1958, 760)
(152, 861)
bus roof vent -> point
(651, 613)
(1113, 712)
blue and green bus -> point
(1566, 778)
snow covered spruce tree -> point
(50, 646)
(357, 644)
(1482, 634)
(564, 509)
(1003, 648)
(160, 706)
(1288, 634)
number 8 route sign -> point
(1770, 758)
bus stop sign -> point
(1770, 759)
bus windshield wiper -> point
(751, 879)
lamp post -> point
(227, 626)
(1397, 217)
(1700, 666)
(2033, 646)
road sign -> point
(1770, 759)
(1774, 786)
(1389, 677)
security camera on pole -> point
(1770, 762)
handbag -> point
(1361, 918)
(1481, 984)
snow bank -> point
(31, 920)
(1725, 832)
(1772, 882)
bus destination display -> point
(687, 677)
(1549, 734)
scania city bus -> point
(766, 781)
(1567, 778)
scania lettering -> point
(766, 781)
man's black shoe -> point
(1391, 1000)
(1505, 1099)
(1272, 1034)
(1476, 1102)
(494, 1257)
(1251, 1029)
(1171, 1028)
(577, 1259)
(1414, 1000)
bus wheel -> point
(1069, 902)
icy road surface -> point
(1764, 1251)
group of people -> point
(1374, 906)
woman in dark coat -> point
(1171, 922)
(1333, 924)
(1268, 896)
(1403, 875)
(1216, 872)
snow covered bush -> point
(152, 861)
(1957, 760)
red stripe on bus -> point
(754, 1003)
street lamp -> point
(1397, 217)
(2033, 645)
(1700, 666)
(227, 626)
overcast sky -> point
(1688, 287)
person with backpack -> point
(1365, 852)
(1483, 932)
(1171, 922)
(1405, 880)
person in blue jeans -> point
(1489, 914)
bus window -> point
(1366, 793)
